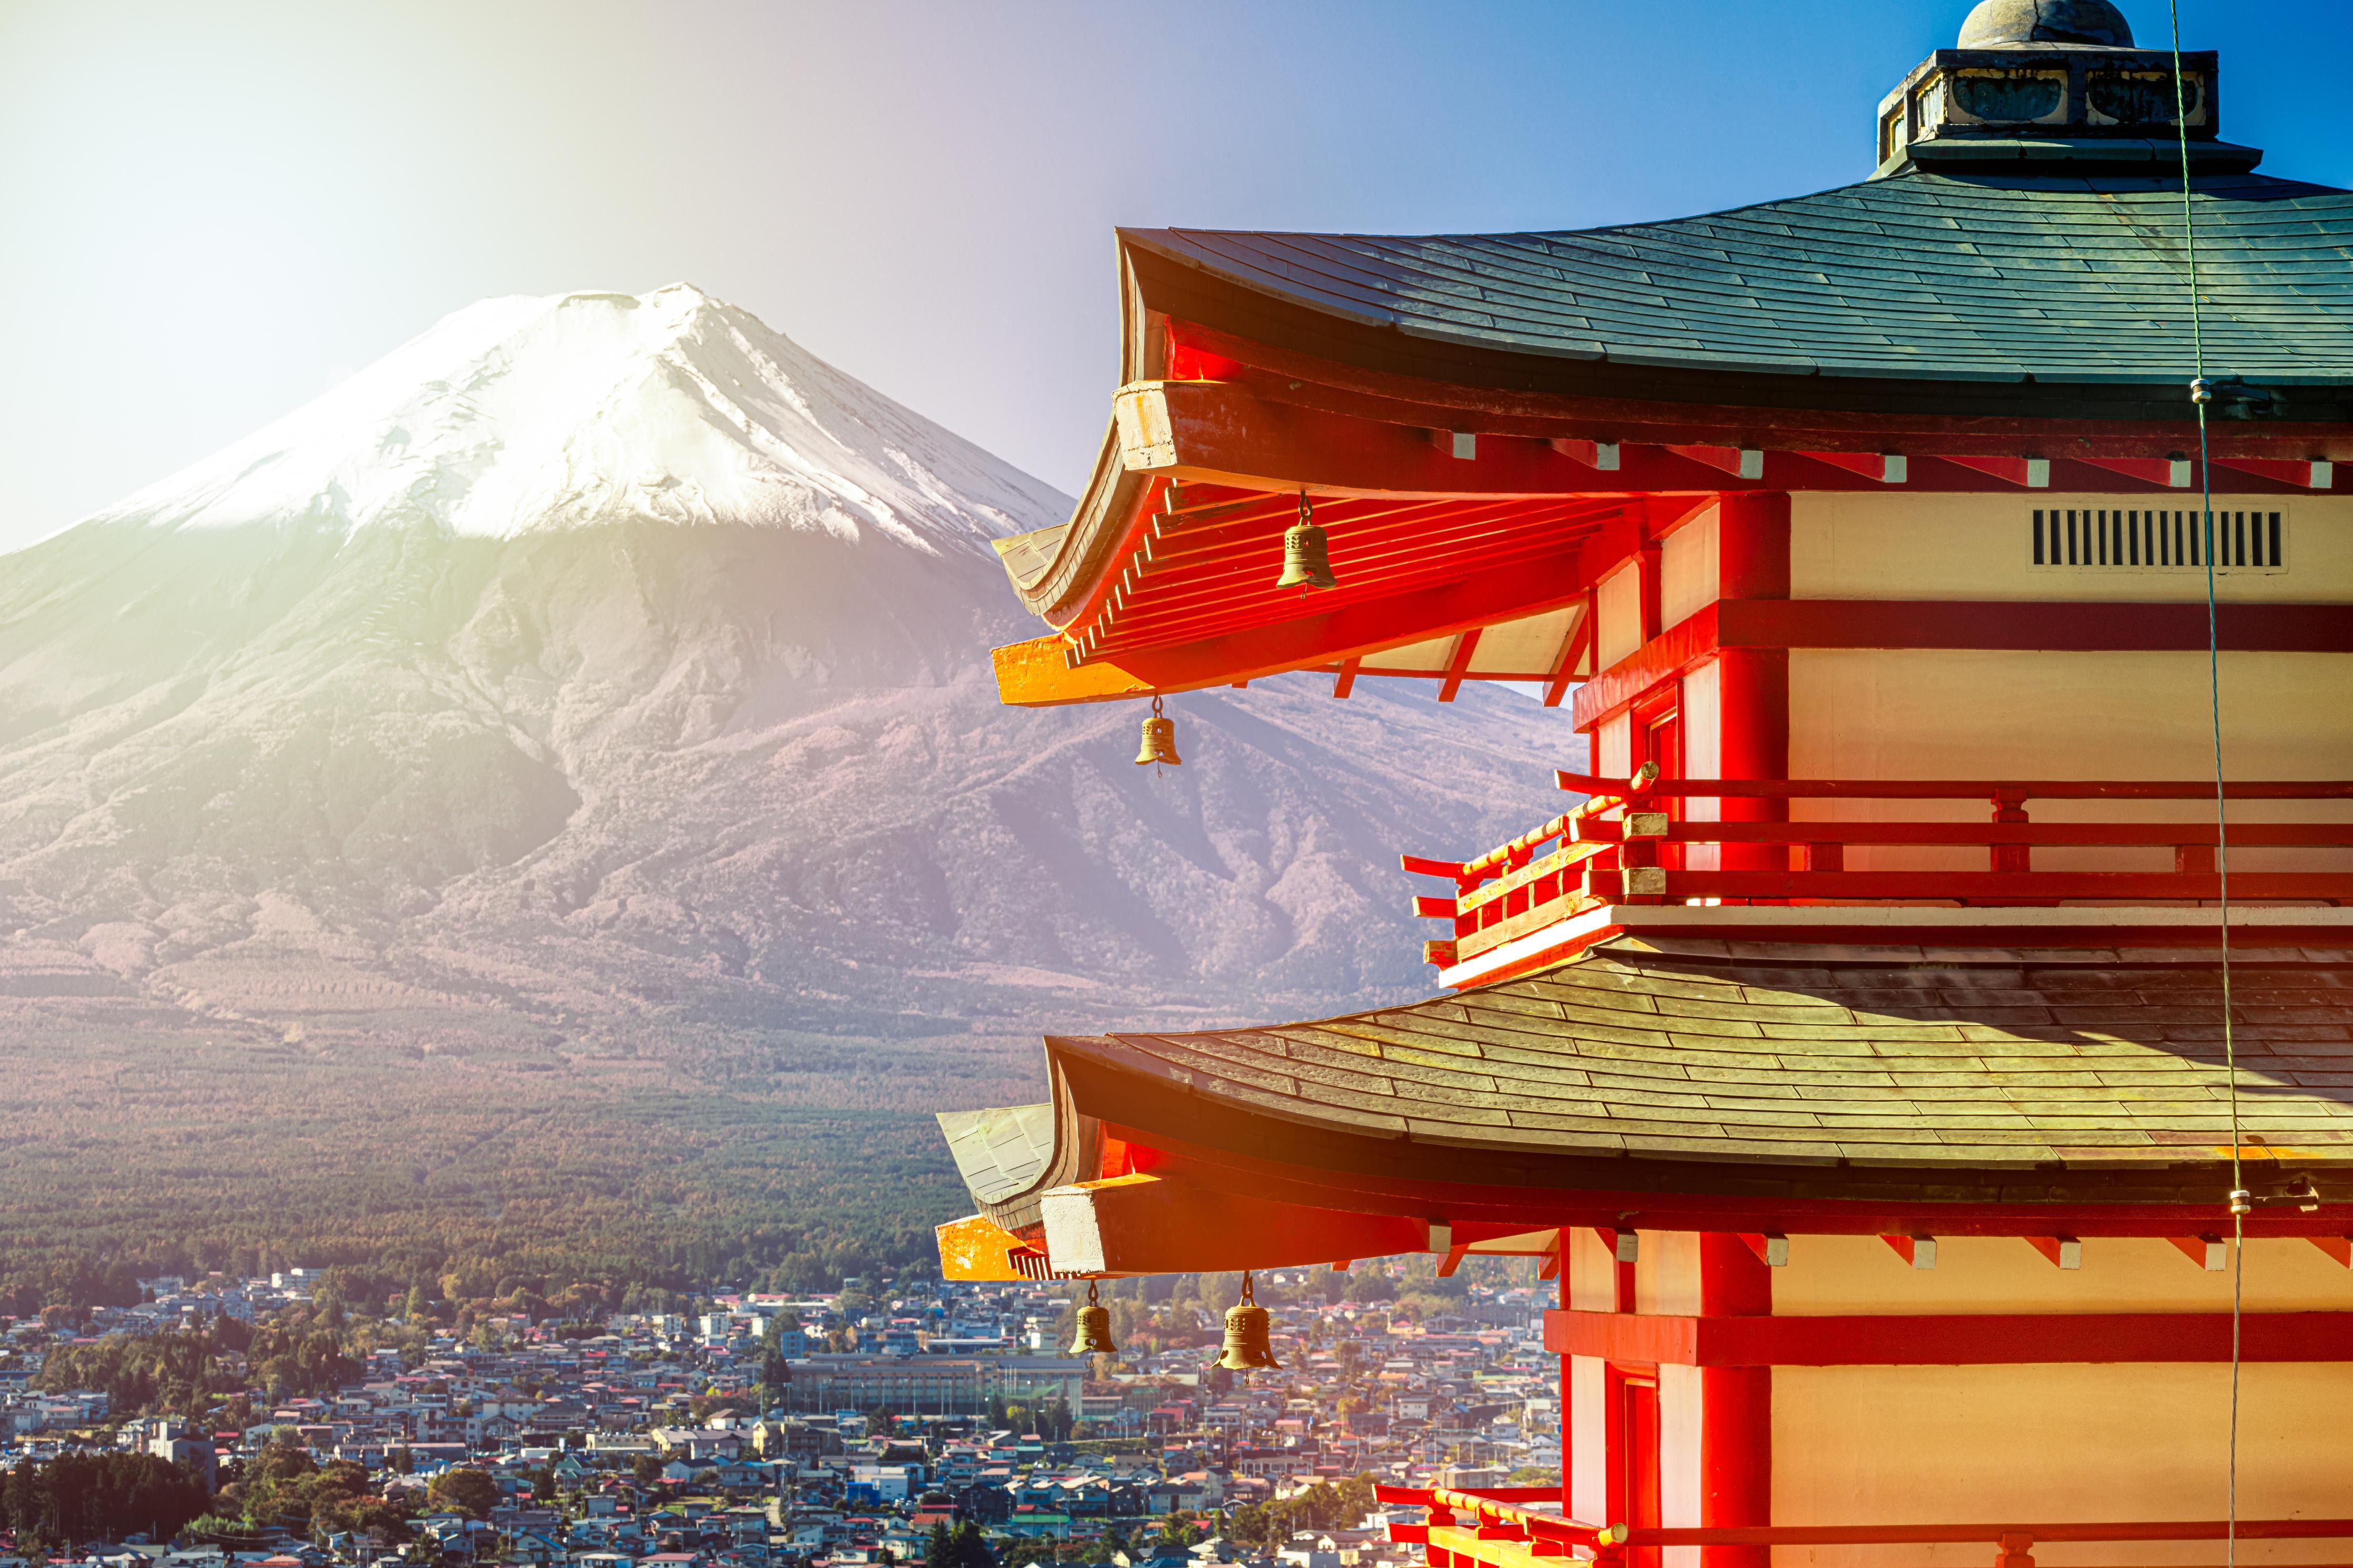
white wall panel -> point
(1688, 576)
(1617, 615)
(1943, 714)
(1865, 546)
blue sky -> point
(216, 211)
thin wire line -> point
(2200, 394)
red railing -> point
(1498, 1515)
(1630, 842)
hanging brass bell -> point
(1159, 741)
(1249, 1334)
(1306, 553)
(1095, 1328)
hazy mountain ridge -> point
(385, 770)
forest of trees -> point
(285, 1487)
(657, 1193)
(187, 1371)
(79, 1497)
(1327, 1505)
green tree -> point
(966, 1548)
(469, 1491)
(84, 1496)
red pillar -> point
(1753, 742)
(1736, 1442)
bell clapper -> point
(1306, 553)
(1159, 739)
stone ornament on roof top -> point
(1996, 24)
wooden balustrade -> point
(1630, 843)
(1502, 1515)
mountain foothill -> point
(547, 798)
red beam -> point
(1970, 789)
(1982, 887)
(1269, 436)
(2171, 472)
(2145, 835)
(2036, 626)
(1689, 642)
(1465, 647)
(1418, 400)
(1996, 625)
(2312, 474)
(1225, 592)
(1148, 1223)
(1230, 593)
(1993, 1339)
(2023, 1534)
(1573, 651)
(1129, 1108)
(2026, 473)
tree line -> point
(86, 1496)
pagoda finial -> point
(1998, 23)
(2054, 83)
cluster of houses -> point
(666, 1440)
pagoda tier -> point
(1851, 1052)
(1675, 1081)
(1487, 424)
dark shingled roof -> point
(1922, 275)
(1837, 1057)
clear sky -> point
(210, 212)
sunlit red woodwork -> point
(1850, 1056)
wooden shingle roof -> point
(1960, 1068)
(1925, 277)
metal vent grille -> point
(2158, 539)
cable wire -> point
(2200, 395)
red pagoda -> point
(1853, 1051)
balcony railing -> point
(1459, 1525)
(1635, 841)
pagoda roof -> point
(1929, 276)
(1668, 1066)
(1511, 400)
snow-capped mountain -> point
(575, 409)
(595, 671)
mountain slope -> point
(594, 692)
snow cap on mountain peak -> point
(532, 412)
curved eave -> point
(1661, 382)
(1346, 355)
(1070, 565)
(1808, 1089)
(1924, 294)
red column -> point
(1735, 1442)
(1752, 562)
